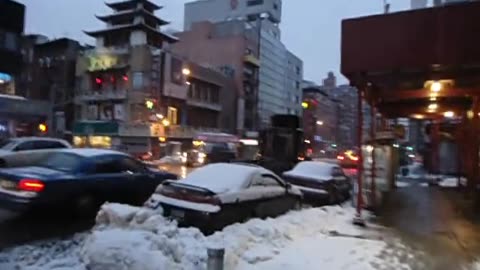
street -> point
(22, 229)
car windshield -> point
(66, 162)
(7, 144)
(313, 168)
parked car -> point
(81, 179)
(220, 194)
(31, 143)
(320, 182)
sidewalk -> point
(433, 223)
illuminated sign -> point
(101, 62)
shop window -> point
(172, 115)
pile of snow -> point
(142, 239)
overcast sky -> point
(310, 28)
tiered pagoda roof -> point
(128, 15)
(123, 21)
(132, 4)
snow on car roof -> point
(91, 152)
(312, 169)
(222, 177)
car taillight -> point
(354, 158)
(340, 157)
(33, 185)
(212, 200)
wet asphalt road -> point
(17, 230)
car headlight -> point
(184, 154)
(201, 160)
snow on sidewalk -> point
(130, 238)
(324, 252)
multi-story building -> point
(134, 92)
(195, 98)
(119, 82)
(293, 84)
(18, 115)
(49, 75)
(221, 10)
(347, 115)
(275, 86)
(232, 47)
(319, 118)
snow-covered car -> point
(220, 194)
(320, 182)
(31, 143)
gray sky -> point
(310, 28)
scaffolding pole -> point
(358, 220)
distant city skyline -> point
(310, 28)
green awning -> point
(95, 128)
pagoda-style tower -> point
(132, 23)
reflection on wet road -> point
(181, 171)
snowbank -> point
(134, 238)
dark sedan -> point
(79, 178)
(320, 182)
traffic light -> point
(305, 105)
(43, 127)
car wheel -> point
(86, 205)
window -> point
(65, 162)
(265, 180)
(107, 166)
(172, 115)
(48, 145)
(137, 82)
(254, 3)
(128, 164)
(10, 41)
(24, 146)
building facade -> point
(134, 92)
(347, 115)
(277, 92)
(221, 10)
(119, 82)
(49, 75)
(232, 48)
(18, 116)
(320, 121)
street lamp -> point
(436, 87)
(165, 122)
(319, 123)
(186, 71)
